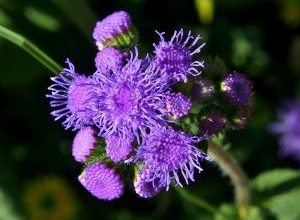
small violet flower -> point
(115, 30)
(102, 181)
(166, 153)
(109, 59)
(175, 57)
(237, 88)
(84, 143)
(177, 105)
(146, 185)
(72, 98)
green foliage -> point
(274, 178)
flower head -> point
(177, 105)
(130, 101)
(118, 148)
(175, 57)
(288, 128)
(103, 182)
(84, 143)
(115, 30)
(202, 90)
(168, 153)
(237, 88)
(71, 96)
(213, 123)
(146, 188)
(109, 59)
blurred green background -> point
(38, 177)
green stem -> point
(196, 200)
(30, 48)
(237, 175)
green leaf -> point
(230, 212)
(285, 206)
(275, 178)
(227, 212)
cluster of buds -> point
(126, 113)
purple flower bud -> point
(237, 88)
(175, 57)
(213, 123)
(109, 59)
(168, 153)
(145, 188)
(202, 90)
(71, 95)
(102, 181)
(115, 30)
(288, 129)
(118, 148)
(83, 144)
(177, 105)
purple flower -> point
(84, 143)
(102, 181)
(175, 57)
(177, 105)
(168, 153)
(202, 90)
(115, 30)
(213, 123)
(118, 148)
(288, 129)
(71, 96)
(109, 59)
(130, 101)
(237, 88)
(145, 188)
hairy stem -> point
(237, 175)
(196, 200)
(30, 48)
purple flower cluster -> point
(129, 103)
(288, 128)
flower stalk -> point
(30, 48)
(237, 175)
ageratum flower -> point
(237, 88)
(118, 148)
(146, 185)
(202, 90)
(168, 154)
(84, 143)
(213, 123)
(177, 105)
(115, 30)
(71, 96)
(130, 101)
(288, 129)
(109, 59)
(175, 57)
(102, 181)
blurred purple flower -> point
(288, 128)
